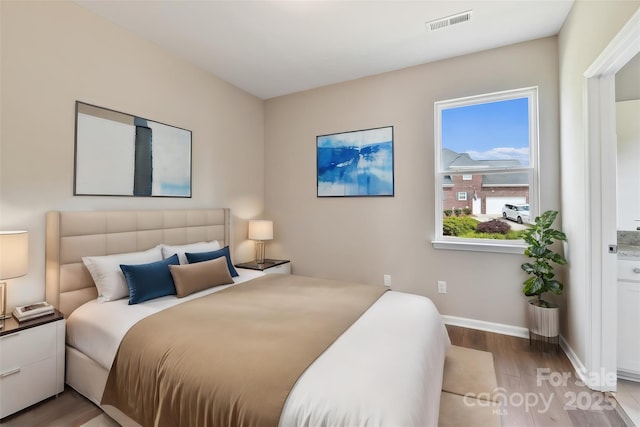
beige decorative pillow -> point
(190, 278)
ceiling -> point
(272, 48)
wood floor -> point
(69, 409)
(540, 389)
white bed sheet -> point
(96, 328)
(385, 370)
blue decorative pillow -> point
(206, 256)
(149, 281)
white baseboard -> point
(594, 380)
(498, 328)
(626, 375)
(581, 370)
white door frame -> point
(601, 275)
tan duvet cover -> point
(231, 358)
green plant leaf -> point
(534, 286)
(558, 259)
(558, 235)
(539, 237)
(555, 287)
(528, 267)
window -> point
(485, 159)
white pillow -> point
(168, 250)
(107, 275)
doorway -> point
(602, 311)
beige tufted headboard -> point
(72, 235)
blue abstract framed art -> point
(356, 163)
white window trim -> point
(460, 199)
(486, 245)
(480, 245)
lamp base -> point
(259, 252)
(2, 319)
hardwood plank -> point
(593, 419)
(68, 409)
(503, 354)
(549, 410)
(614, 419)
(456, 334)
(512, 415)
(475, 339)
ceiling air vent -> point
(441, 23)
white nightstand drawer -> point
(279, 269)
(31, 361)
(27, 385)
(27, 346)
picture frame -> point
(356, 163)
(118, 154)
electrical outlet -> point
(442, 287)
(387, 280)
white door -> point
(477, 206)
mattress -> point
(385, 370)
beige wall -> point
(361, 239)
(589, 28)
(54, 53)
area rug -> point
(468, 389)
(102, 420)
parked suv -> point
(518, 212)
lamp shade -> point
(260, 230)
(14, 254)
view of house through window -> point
(486, 165)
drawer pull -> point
(636, 270)
(6, 374)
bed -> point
(385, 369)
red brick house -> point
(482, 194)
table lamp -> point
(260, 230)
(14, 261)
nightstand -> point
(270, 266)
(31, 361)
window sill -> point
(467, 245)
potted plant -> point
(543, 315)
